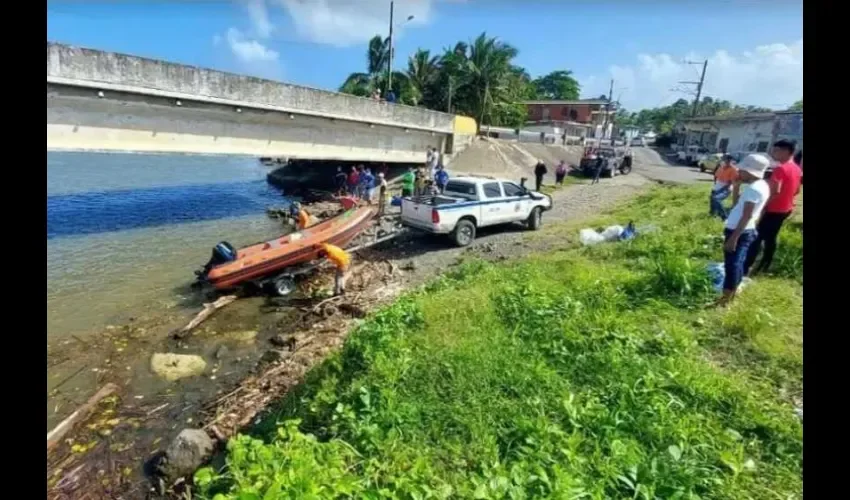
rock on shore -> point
(173, 367)
(187, 452)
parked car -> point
(691, 154)
(709, 163)
(638, 142)
(613, 160)
(471, 202)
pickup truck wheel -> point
(283, 286)
(535, 219)
(464, 233)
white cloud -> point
(259, 15)
(769, 76)
(348, 22)
(247, 50)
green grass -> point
(584, 373)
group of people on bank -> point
(428, 179)
(762, 200)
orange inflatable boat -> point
(230, 267)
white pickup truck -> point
(468, 203)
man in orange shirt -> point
(301, 216)
(724, 177)
(341, 261)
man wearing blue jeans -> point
(724, 177)
(740, 228)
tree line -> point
(664, 118)
(477, 79)
(480, 79)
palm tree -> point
(447, 91)
(422, 70)
(377, 56)
(488, 72)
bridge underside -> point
(79, 119)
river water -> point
(126, 231)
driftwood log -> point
(208, 310)
(55, 436)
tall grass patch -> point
(586, 373)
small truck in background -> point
(471, 202)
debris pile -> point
(322, 326)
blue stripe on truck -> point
(473, 203)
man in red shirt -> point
(784, 187)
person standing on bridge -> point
(539, 171)
(341, 261)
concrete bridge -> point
(102, 101)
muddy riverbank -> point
(107, 452)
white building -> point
(789, 125)
(753, 132)
(628, 132)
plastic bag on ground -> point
(590, 237)
(612, 233)
(629, 232)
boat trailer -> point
(283, 283)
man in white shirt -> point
(434, 162)
(740, 227)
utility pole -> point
(698, 84)
(608, 111)
(390, 57)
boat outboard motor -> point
(221, 253)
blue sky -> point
(754, 47)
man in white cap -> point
(740, 228)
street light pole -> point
(390, 56)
